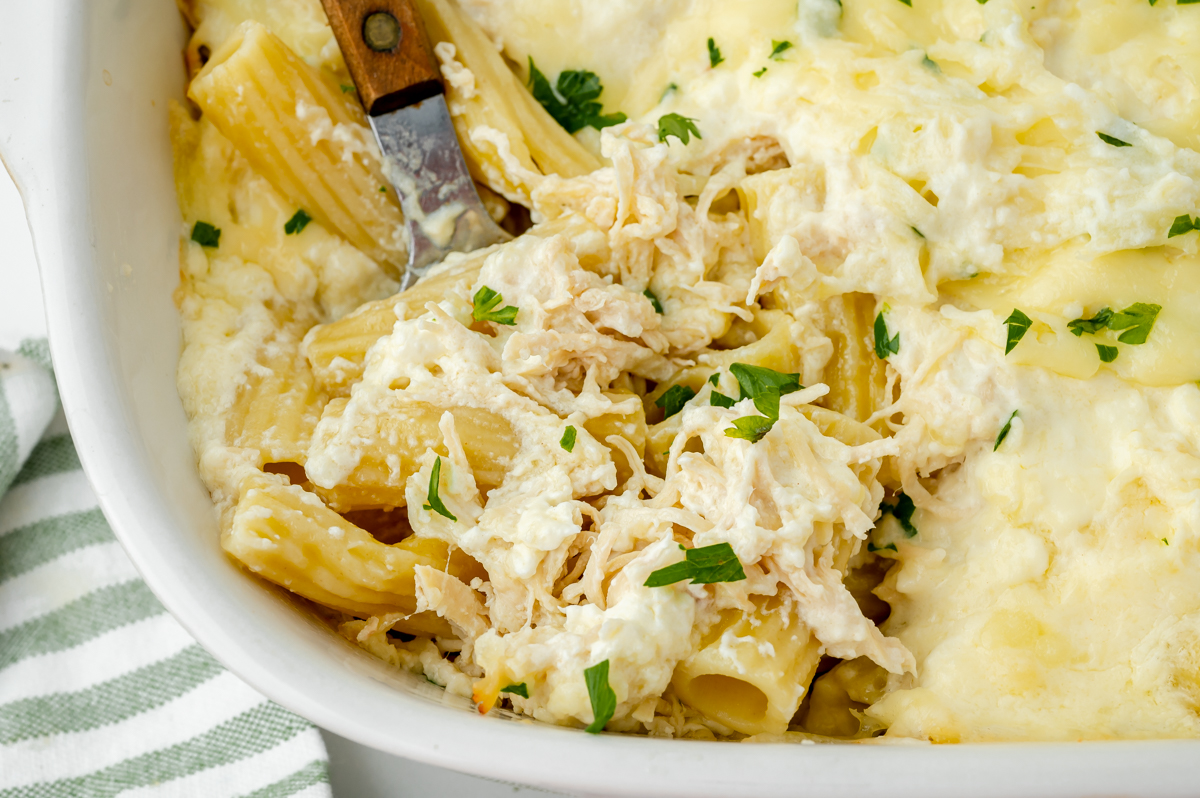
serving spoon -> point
(396, 74)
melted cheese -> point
(942, 157)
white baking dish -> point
(83, 94)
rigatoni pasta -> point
(304, 134)
(846, 389)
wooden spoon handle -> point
(386, 51)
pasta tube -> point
(304, 135)
(497, 113)
(393, 440)
(277, 408)
(337, 350)
(287, 536)
(751, 670)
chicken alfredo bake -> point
(840, 380)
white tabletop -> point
(355, 770)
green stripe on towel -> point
(38, 543)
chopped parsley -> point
(871, 547)
(517, 689)
(347, 89)
(1165, 543)
(714, 53)
(604, 700)
(1137, 321)
(673, 399)
(1107, 353)
(568, 443)
(903, 511)
(670, 88)
(298, 222)
(1018, 324)
(1183, 224)
(486, 301)
(1113, 140)
(435, 501)
(907, 3)
(765, 386)
(929, 63)
(760, 72)
(758, 381)
(704, 566)
(579, 107)
(383, 189)
(885, 346)
(653, 301)
(681, 127)
(920, 235)
(778, 49)
(206, 235)
(1005, 430)
(751, 428)
(716, 398)
(1093, 325)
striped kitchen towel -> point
(102, 693)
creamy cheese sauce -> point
(942, 164)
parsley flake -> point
(1018, 324)
(751, 428)
(383, 189)
(604, 700)
(715, 397)
(1093, 325)
(760, 72)
(718, 399)
(579, 107)
(907, 3)
(673, 400)
(765, 386)
(1005, 430)
(206, 235)
(714, 53)
(485, 301)
(658, 308)
(871, 547)
(778, 49)
(568, 443)
(681, 127)
(298, 222)
(885, 346)
(903, 511)
(435, 501)
(1107, 353)
(1183, 224)
(521, 689)
(1165, 543)
(704, 566)
(1137, 321)
(347, 89)
(759, 381)
(1113, 140)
